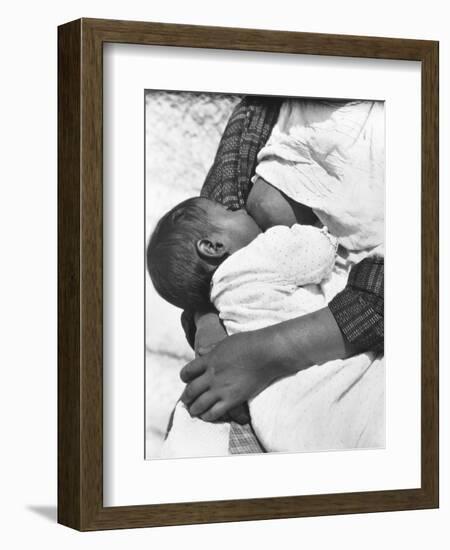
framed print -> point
(226, 202)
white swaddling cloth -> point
(282, 274)
(275, 278)
(329, 155)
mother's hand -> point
(238, 368)
(241, 366)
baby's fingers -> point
(204, 349)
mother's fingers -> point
(203, 403)
(193, 369)
(216, 412)
(240, 414)
(194, 389)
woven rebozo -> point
(249, 127)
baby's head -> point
(188, 245)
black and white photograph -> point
(264, 274)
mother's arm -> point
(241, 366)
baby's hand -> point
(210, 332)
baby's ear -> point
(211, 250)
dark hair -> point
(178, 273)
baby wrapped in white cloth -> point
(285, 273)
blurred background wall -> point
(183, 130)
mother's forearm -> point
(305, 341)
(240, 366)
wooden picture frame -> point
(80, 271)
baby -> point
(202, 253)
